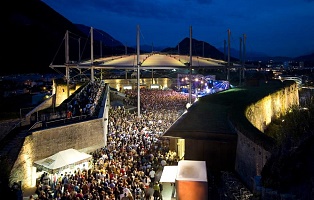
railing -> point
(60, 118)
(39, 123)
(53, 123)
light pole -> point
(190, 66)
(228, 68)
(138, 72)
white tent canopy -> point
(63, 159)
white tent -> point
(62, 160)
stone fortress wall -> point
(251, 155)
(275, 105)
(85, 136)
(90, 135)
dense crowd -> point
(130, 165)
(157, 99)
(85, 101)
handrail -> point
(34, 125)
(44, 124)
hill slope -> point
(34, 38)
(33, 32)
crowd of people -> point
(84, 103)
(130, 165)
(157, 99)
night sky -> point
(272, 27)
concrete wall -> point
(251, 156)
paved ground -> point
(169, 192)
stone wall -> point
(84, 136)
(250, 159)
(261, 113)
(252, 155)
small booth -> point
(189, 180)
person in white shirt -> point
(152, 175)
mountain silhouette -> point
(33, 32)
(199, 48)
(100, 35)
(34, 37)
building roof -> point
(213, 116)
(203, 120)
(149, 61)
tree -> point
(290, 167)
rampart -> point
(253, 146)
(59, 94)
(85, 135)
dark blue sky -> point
(273, 27)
